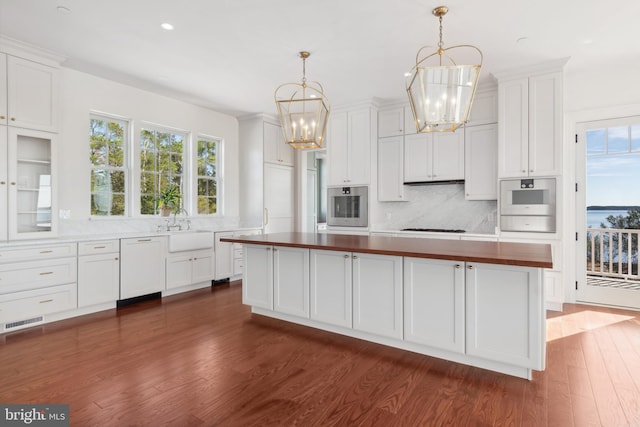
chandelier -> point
(303, 110)
(441, 91)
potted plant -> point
(169, 200)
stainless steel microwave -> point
(528, 205)
(348, 206)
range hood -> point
(451, 181)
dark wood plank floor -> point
(202, 358)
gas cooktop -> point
(434, 230)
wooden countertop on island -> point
(507, 253)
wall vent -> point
(14, 325)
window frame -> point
(219, 176)
(126, 161)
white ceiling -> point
(230, 55)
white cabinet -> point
(291, 281)
(530, 125)
(223, 255)
(391, 169)
(98, 272)
(434, 157)
(278, 198)
(276, 150)
(396, 121)
(142, 266)
(35, 281)
(485, 108)
(257, 280)
(331, 287)
(495, 293)
(3, 90)
(377, 294)
(187, 268)
(481, 162)
(434, 303)
(27, 184)
(32, 92)
(349, 147)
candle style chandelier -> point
(441, 91)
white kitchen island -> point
(476, 303)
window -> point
(108, 140)
(161, 165)
(208, 181)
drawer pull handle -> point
(99, 247)
(45, 252)
(144, 240)
(46, 301)
(44, 273)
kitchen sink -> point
(190, 240)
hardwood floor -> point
(203, 359)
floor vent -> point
(14, 325)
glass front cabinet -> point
(29, 188)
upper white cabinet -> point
(349, 147)
(27, 184)
(396, 121)
(276, 150)
(391, 169)
(485, 108)
(434, 157)
(530, 123)
(30, 95)
(481, 162)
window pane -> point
(117, 182)
(117, 206)
(635, 138)
(147, 205)
(596, 141)
(618, 139)
(207, 175)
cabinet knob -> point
(524, 171)
(268, 249)
(13, 183)
(470, 267)
(530, 170)
(458, 266)
(2, 117)
(3, 182)
(346, 256)
(355, 257)
(275, 249)
(13, 119)
(116, 258)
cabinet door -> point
(223, 255)
(434, 303)
(513, 128)
(417, 154)
(338, 149)
(98, 279)
(390, 169)
(202, 266)
(545, 124)
(291, 281)
(496, 293)
(32, 94)
(3, 91)
(359, 164)
(485, 109)
(377, 294)
(481, 162)
(448, 156)
(142, 266)
(178, 270)
(32, 184)
(278, 198)
(276, 150)
(257, 281)
(391, 122)
(4, 184)
(330, 287)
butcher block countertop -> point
(507, 253)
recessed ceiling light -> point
(587, 41)
(167, 26)
(63, 9)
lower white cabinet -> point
(142, 266)
(24, 305)
(186, 268)
(291, 281)
(257, 280)
(496, 293)
(330, 287)
(98, 272)
(434, 303)
(224, 255)
(377, 294)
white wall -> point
(82, 93)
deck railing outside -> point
(613, 252)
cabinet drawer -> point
(24, 305)
(22, 276)
(238, 264)
(37, 252)
(99, 247)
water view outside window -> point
(207, 175)
(161, 165)
(107, 148)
